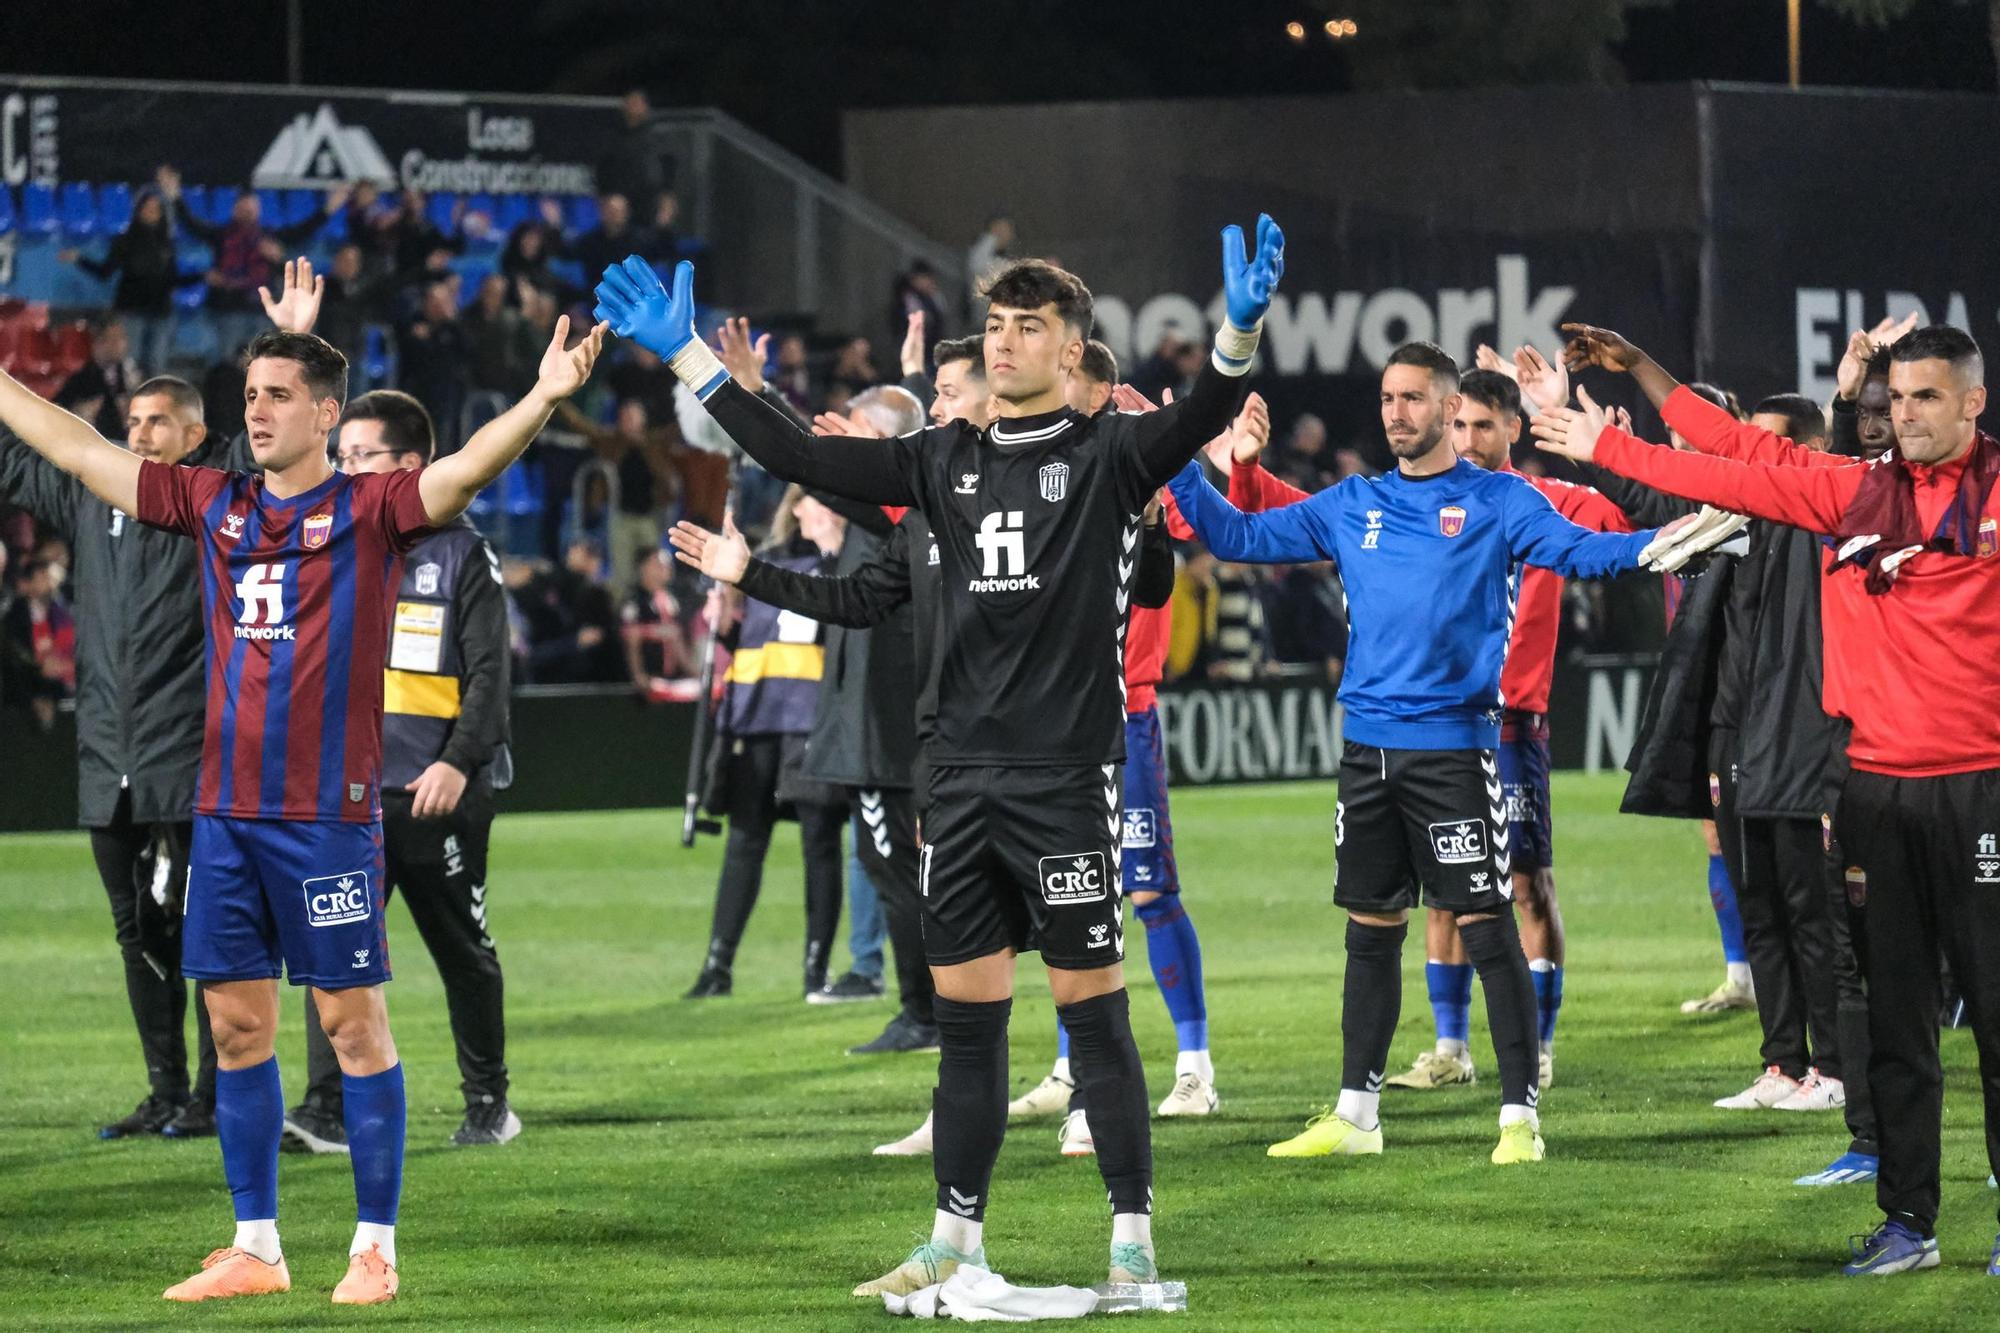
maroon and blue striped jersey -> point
(296, 595)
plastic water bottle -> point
(1124, 1297)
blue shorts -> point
(307, 893)
(1146, 864)
(1524, 778)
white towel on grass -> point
(975, 1294)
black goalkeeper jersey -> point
(1036, 521)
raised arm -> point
(1713, 431)
(1153, 580)
(1813, 498)
(1539, 536)
(1165, 440)
(449, 485)
(868, 596)
(638, 306)
(1287, 536)
(69, 442)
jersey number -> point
(262, 592)
(1002, 541)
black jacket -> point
(140, 690)
(865, 734)
(1669, 758)
(1786, 742)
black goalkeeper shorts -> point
(1430, 818)
(1023, 859)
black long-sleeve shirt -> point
(1036, 525)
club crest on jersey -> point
(232, 527)
(425, 580)
(317, 529)
(1055, 481)
(1857, 886)
(1073, 879)
(1451, 520)
(1989, 537)
(333, 900)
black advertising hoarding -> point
(289, 138)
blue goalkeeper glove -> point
(1247, 284)
(637, 305)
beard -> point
(1417, 445)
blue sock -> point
(1062, 1041)
(373, 1110)
(1450, 986)
(1175, 953)
(1722, 894)
(1548, 978)
(249, 1120)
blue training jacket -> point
(1430, 567)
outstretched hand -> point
(911, 358)
(835, 423)
(1544, 386)
(722, 556)
(566, 369)
(1571, 431)
(296, 309)
(1248, 281)
(1862, 347)
(1128, 399)
(743, 358)
(637, 305)
(1590, 345)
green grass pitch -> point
(706, 1165)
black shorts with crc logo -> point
(1430, 818)
(1023, 859)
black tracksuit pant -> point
(440, 865)
(889, 855)
(1930, 849)
(149, 940)
(753, 815)
(1779, 869)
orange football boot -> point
(232, 1272)
(369, 1281)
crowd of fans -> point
(440, 303)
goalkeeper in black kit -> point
(1036, 519)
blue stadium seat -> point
(77, 206)
(521, 490)
(302, 206)
(335, 229)
(221, 200)
(191, 297)
(6, 210)
(38, 209)
(273, 205)
(511, 211)
(580, 214)
(114, 208)
(440, 209)
(571, 272)
(194, 202)
(481, 203)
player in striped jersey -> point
(299, 564)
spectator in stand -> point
(666, 216)
(530, 247)
(853, 370)
(614, 238)
(143, 260)
(1304, 459)
(370, 219)
(101, 388)
(573, 628)
(436, 354)
(354, 298)
(1241, 642)
(415, 245)
(641, 457)
(38, 640)
(1308, 627)
(988, 255)
(637, 166)
(246, 254)
(656, 646)
(506, 351)
(793, 376)
(1172, 367)
(917, 293)
(643, 376)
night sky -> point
(787, 67)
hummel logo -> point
(232, 526)
(968, 484)
(965, 1205)
(1099, 936)
(361, 958)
